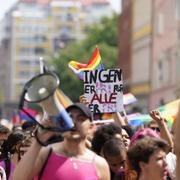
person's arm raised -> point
(83, 99)
(119, 120)
(164, 132)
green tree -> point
(104, 35)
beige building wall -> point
(30, 41)
(141, 50)
(164, 75)
(153, 68)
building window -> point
(24, 74)
(160, 69)
(69, 17)
(160, 24)
(27, 51)
(39, 50)
(28, 62)
(161, 102)
(40, 39)
(177, 9)
(65, 30)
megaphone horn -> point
(42, 90)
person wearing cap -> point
(66, 160)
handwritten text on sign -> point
(103, 89)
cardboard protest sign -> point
(103, 90)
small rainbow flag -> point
(129, 98)
(106, 116)
(137, 119)
(19, 117)
(93, 64)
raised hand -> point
(156, 115)
(82, 99)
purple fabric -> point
(2, 164)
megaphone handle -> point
(53, 139)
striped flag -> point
(93, 64)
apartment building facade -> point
(165, 60)
(151, 67)
(39, 28)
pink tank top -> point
(61, 167)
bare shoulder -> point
(100, 161)
(43, 154)
(102, 168)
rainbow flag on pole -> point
(93, 64)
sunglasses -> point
(155, 129)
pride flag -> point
(93, 64)
(20, 116)
(168, 111)
(137, 119)
(106, 116)
(129, 98)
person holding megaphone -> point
(66, 160)
(69, 158)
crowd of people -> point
(90, 151)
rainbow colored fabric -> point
(63, 98)
(20, 116)
(168, 111)
(93, 64)
(128, 98)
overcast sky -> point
(6, 4)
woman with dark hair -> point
(9, 155)
(103, 134)
(126, 134)
(147, 156)
(114, 151)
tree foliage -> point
(104, 35)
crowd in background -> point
(91, 151)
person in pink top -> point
(66, 160)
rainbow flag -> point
(93, 64)
(137, 119)
(168, 111)
(106, 116)
(20, 116)
(129, 98)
